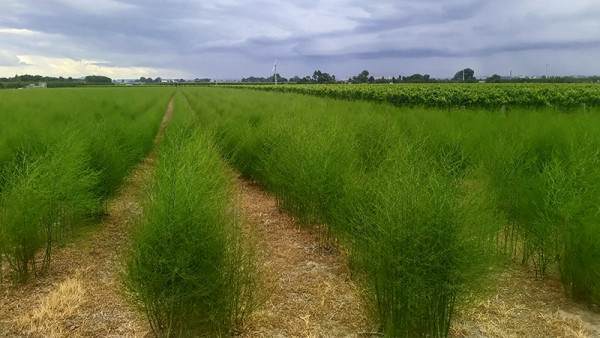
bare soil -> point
(308, 289)
(520, 305)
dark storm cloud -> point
(125, 31)
(435, 12)
(383, 54)
(229, 38)
(540, 45)
(445, 53)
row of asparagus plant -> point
(189, 269)
(62, 153)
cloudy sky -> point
(229, 39)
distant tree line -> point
(98, 79)
(542, 79)
(464, 75)
(149, 80)
(20, 81)
(320, 77)
(317, 77)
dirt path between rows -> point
(521, 305)
(308, 289)
(81, 295)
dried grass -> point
(51, 317)
(520, 305)
(308, 290)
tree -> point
(254, 79)
(158, 80)
(320, 77)
(493, 79)
(316, 75)
(416, 78)
(363, 77)
(466, 75)
(279, 78)
(382, 80)
(97, 79)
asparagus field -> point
(62, 154)
(426, 201)
(430, 192)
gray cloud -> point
(8, 59)
(230, 39)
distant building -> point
(39, 85)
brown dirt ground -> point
(520, 305)
(81, 295)
(308, 289)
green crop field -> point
(538, 95)
(426, 200)
(428, 188)
(62, 153)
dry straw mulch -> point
(521, 305)
(308, 288)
